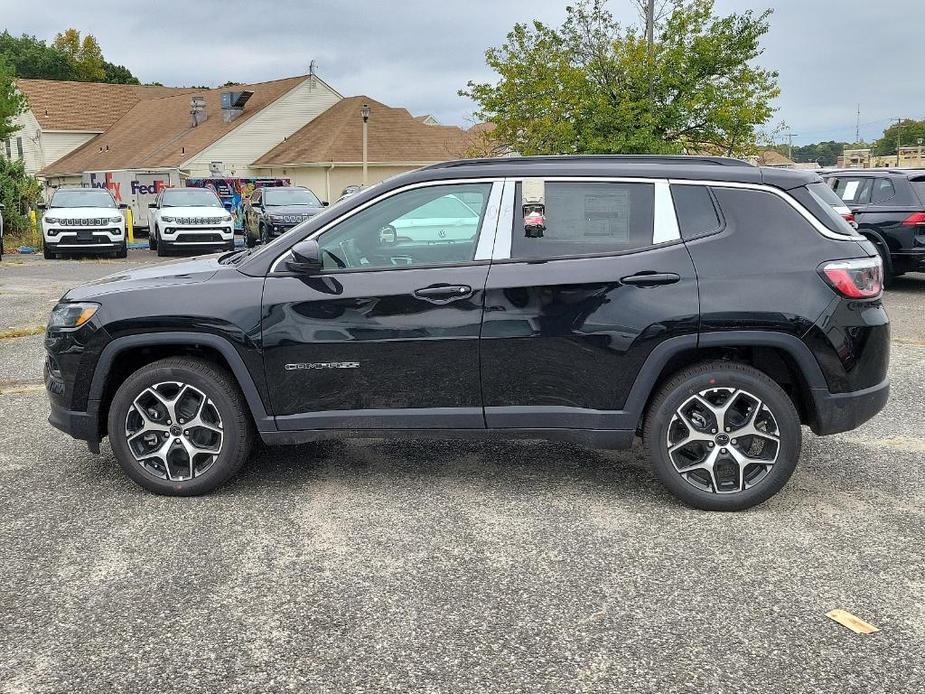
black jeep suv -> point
(707, 305)
(271, 211)
(888, 206)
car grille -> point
(201, 238)
(198, 220)
(289, 218)
(83, 222)
(84, 240)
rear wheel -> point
(180, 426)
(722, 436)
(249, 240)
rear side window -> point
(918, 185)
(883, 191)
(828, 207)
(854, 190)
(697, 215)
(588, 218)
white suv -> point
(83, 220)
(189, 218)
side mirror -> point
(152, 205)
(123, 206)
(325, 203)
(306, 258)
(42, 205)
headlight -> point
(115, 220)
(51, 220)
(71, 315)
(165, 218)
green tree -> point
(118, 74)
(584, 87)
(12, 103)
(30, 58)
(907, 132)
(84, 53)
(18, 192)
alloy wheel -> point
(723, 440)
(174, 431)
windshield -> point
(193, 197)
(273, 197)
(83, 197)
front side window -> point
(82, 197)
(436, 225)
(883, 191)
(587, 219)
(854, 190)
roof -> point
(86, 106)
(771, 157)
(159, 132)
(394, 135)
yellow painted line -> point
(24, 389)
(22, 331)
(856, 624)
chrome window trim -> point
(489, 228)
(494, 180)
(665, 222)
(789, 199)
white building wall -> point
(41, 148)
(259, 134)
(56, 143)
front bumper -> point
(839, 412)
(84, 240)
(78, 425)
(185, 236)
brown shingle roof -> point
(394, 136)
(159, 132)
(92, 106)
(771, 157)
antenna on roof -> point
(312, 70)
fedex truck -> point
(134, 187)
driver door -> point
(387, 335)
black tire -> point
(123, 250)
(162, 250)
(264, 234)
(47, 254)
(889, 271)
(238, 432)
(152, 239)
(249, 241)
(716, 376)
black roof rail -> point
(614, 158)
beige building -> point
(909, 158)
(327, 154)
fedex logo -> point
(139, 188)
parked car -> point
(889, 208)
(189, 219)
(273, 211)
(352, 189)
(707, 305)
(83, 221)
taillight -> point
(861, 278)
(849, 217)
(914, 220)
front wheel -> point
(249, 240)
(722, 436)
(47, 254)
(123, 250)
(180, 427)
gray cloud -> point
(831, 54)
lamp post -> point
(365, 113)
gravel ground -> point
(453, 566)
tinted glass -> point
(437, 225)
(831, 206)
(84, 197)
(883, 190)
(854, 190)
(190, 197)
(290, 196)
(696, 213)
(918, 185)
(587, 218)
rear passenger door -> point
(571, 317)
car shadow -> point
(913, 282)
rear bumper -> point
(838, 412)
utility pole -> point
(857, 126)
(898, 122)
(364, 113)
(790, 137)
(650, 38)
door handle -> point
(651, 279)
(444, 293)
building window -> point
(9, 149)
(19, 147)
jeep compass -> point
(710, 307)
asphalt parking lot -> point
(452, 566)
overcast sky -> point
(418, 53)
